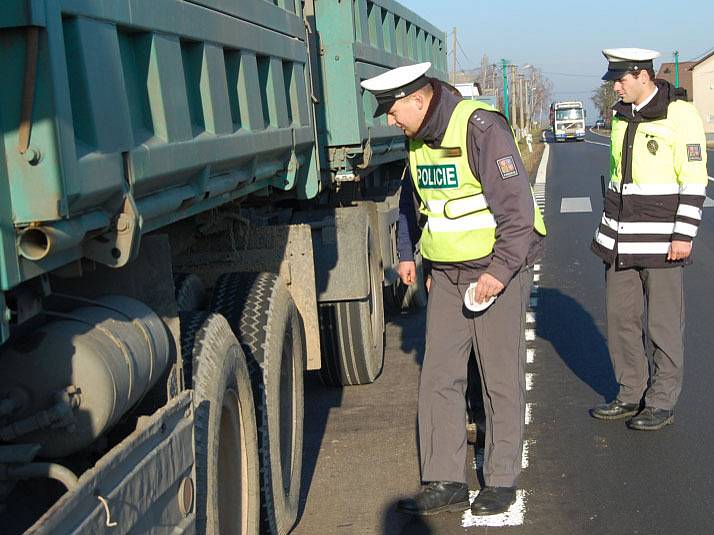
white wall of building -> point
(703, 90)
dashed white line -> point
(530, 317)
(528, 414)
(536, 277)
(529, 381)
(524, 454)
(530, 355)
(530, 335)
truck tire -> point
(189, 291)
(412, 297)
(265, 319)
(352, 332)
(227, 467)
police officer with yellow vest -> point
(653, 208)
(481, 226)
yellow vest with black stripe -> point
(460, 225)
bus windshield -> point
(569, 114)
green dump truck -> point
(196, 206)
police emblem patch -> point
(652, 146)
(507, 167)
(694, 152)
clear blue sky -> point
(567, 37)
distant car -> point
(600, 123)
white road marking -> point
(711, 178)
(536, 277)
(575, 204)
(512, 517)
(597, 143)
(530, 317)
(529, 381)
(530, 335)
(529, 414)
(524, 454)
(708, 203)
(536, 267)
(543, 165)
(530, 355)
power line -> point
(572, 74)
(700, 56)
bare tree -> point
(604, 98)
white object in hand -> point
(470, 299)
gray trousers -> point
(498, 339)
(657, 295)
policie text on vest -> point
(437, 176)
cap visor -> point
(382, 108)
(611, 76)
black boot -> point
(437, 497)
(651, 419)
(614, 410)
(493, 500)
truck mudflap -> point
(145, 481)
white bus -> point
(567, 119)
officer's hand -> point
(407, 272)
(487, 287)
(679, 250)
(428, 283)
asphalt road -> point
(582, 475)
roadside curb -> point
(598, 134)
(543, 165)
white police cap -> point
(624, 60)
(395, 84)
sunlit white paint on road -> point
(524, 454)
(529, 413)
(512, 517)
(530, 317)
(529, 381)
(530, 335)
(530, 355)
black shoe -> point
(651, 419)
(615, 410)
(493, 500)
(437, 497)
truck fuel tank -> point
(77, 375)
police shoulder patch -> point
(694, 152)
(507, 167)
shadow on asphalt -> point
(393, 523)
(577, 340)
(319, 401)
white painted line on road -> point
(529, 381)
(530, 317)
(543, 165)
(524, 454)
(530, 335)
(536, 277)
(711, 178)
(598, 133)
(575, 204)
(708, 203)
(536, 267)
(529, 413)
(530, 355)
(597, 143)
(512, 517)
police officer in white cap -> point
(653, 208)
(481, 226)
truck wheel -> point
(352, 332)
(261, 312)
(189, 291)
(410, 297)
(227, 496)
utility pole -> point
(513, 100)
(676, 68)
(521, 122)
(453, 60)
(504, 64)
